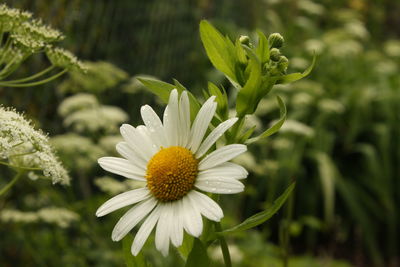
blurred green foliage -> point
(340, 142)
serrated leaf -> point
(275, 127)
(263, 216)
(198, 257)
(220, 50)
(130, 260)
(246, 101)
(292, 77)
(262, 48)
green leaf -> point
(274, 128)
(187, 245)
(221, 98)
(130, 260)
(157, 87)
(243, 138)
(263, 216)
(292, 77)
(246, 101)
(163, 90)
(262, 48)
(198, 256)
(194, 103)
(220, 50)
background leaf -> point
(198, 257)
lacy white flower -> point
(21, 146)
(172, 159)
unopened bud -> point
(283, 64)
(274, 54)
(244, 39)
(275, 40)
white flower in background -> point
(171, 157)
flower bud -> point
(275, 40)
(283, 64)
(274, 54)
(244, 39)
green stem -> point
(5, 49)
(11, 183)
(19, 167)
(32, 77)
(285, 235)
(34, 83)
(22, 154)
(224, 246)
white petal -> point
(163, 230)
(123, 200)
(131, 218)
(171, 119)
(134, 139)
(145, 231)
(122, 167)
(127, 152)
(214, 136)
(208, 207)
(224, 170)
(221, 155)
(146, 138)
(201, 123)
(184, 118)
(192, 222)
(220, 185)
(177, 226)
(154, 124)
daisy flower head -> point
(173, 160)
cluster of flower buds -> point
(278, 63)
(23, 36)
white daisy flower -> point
(171, 158)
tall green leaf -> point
(247, 98)
(220, 50)
(263, 216)
(262, 48)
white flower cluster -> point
(29, 36)
(12, 17)
(112, 186)
(64, 59)
(53, 215)
(22, 146)
(77, 152)
(84, 114)
(77, 102)
(40, 31)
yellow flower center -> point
(171, 173)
